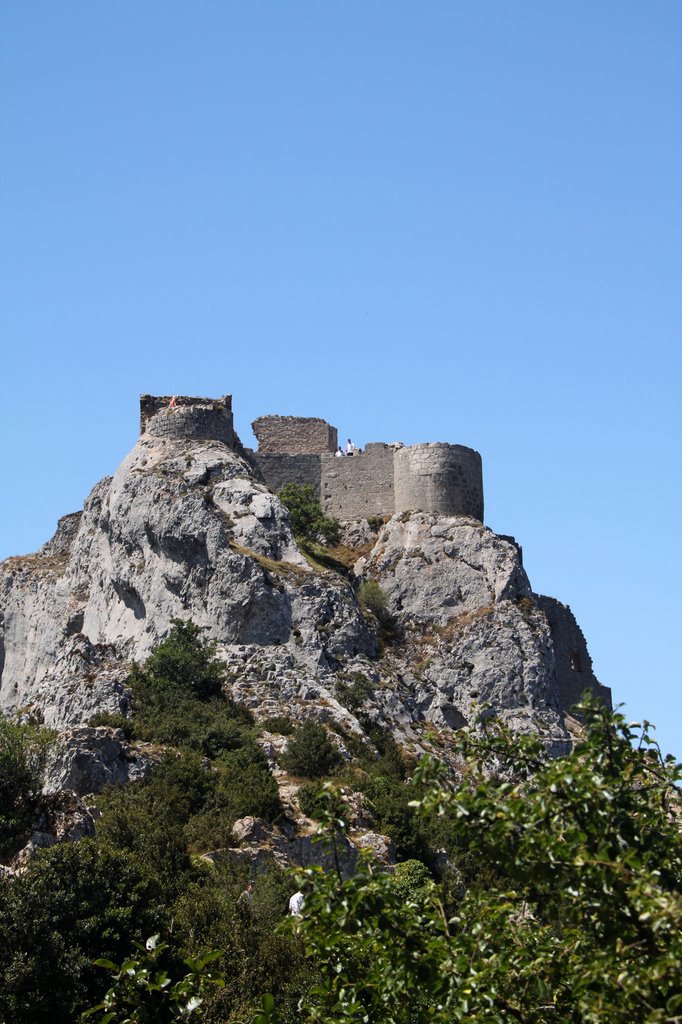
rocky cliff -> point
(185, 530)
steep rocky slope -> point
(184, 529)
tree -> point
(580, 921)
(184, 661)
(143, 990)
(23, 750)
(75, 901)
(310, 752)
(308, 521)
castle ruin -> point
(379, 480)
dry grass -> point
(38, 563)
(286, 570)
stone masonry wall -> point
(294, 435)
(446, 478)
(201, 418)
(359, 485)
(278, 470)
(381, 480)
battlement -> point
(380, 480)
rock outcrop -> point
(185, 529)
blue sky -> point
(441, 221)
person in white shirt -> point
(350, 448)
(296, 904)
(339, 452)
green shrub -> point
(210, 727)
(23, 751)
(310, 752)
(184, 662)
(353, 690)
(113, 721)
(280, 724)
(308, 521)
(76, 901)
(313, 802)
(247, 785)
(412, 880)
(178, 698)
(373, 599)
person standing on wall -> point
(350, 448)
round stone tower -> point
(181, 417)
(445, 478)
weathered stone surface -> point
(181, 531)
(250, 830)
(85, 760)
(185, 530)
(435, 567)
(381, 848)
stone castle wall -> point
(364, 481)
(443, 478)
(381, 480)
(294, 435)
(204, 419)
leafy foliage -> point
(579, 923)
(372, 598)
(75, 901)
(310, 752)
(308, 521)
(184, 661)
(143, 992)
(23, 751)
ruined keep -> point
(379, 480)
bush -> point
(412, 880)
(247, 785)
(315, 803)
(23, 750)
(308, 521)
(76, 901)
(582, 922)
(281, 724)
(310, 752)
(178, 698)
(373, 599)
(208, 727)
(184, 662)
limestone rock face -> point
(185, 530)
(435, 567)
(85, 760)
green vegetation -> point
(372, 598)
(560, 902)
(23, 750)
(310, 752)
(308, 521)
(143, 990)
(281, 724)
(143, 874)
(578, 921)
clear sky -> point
(455, 221)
